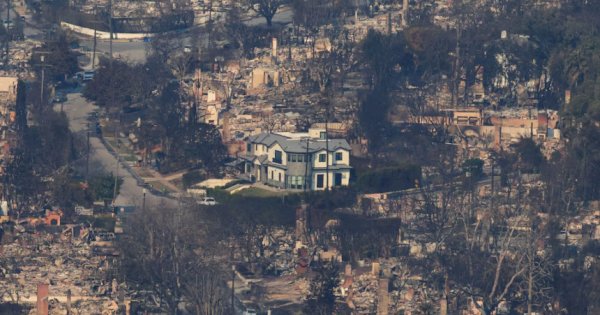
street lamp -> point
(143, 199)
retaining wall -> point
(101, 34)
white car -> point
(207, 201)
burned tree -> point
(266, 8)
(163, 251)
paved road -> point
(77, 110)
(134, 51)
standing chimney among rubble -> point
(127, 307)
(405, 13)
(42, 299)
(383, 298)
(69, 302)
(301, 223)
(274, 48)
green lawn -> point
(159, 186)
(261, 193)
(125, 153)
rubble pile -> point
(67, 265)
(279, 253)
(364, 293)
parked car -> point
(85, 75)
(59, 98)
(207, 201)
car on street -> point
(59, 98)
(207, 201)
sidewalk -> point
(146, 175)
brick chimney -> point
(383, 297)
(42, 299)
(274, 48)
(69, 302)
(405, 13)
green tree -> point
(60, 62)
(103, 186)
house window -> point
(322, 135)
(322, 157)
(277, 157)
(320, 180)
(249, 147)
(339, 156)
(338, 179)
(296, 158)
(272, 177)
(296, 182)
(279, 177)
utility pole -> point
(457, 69)
(95, 37)
(87, 156)
(42, 83)
(8, 31)
(232, 284)
(116, 166)
(306, 161)
(110, 26)
(327, 147)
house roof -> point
(299, 145)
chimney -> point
(383, 300)
(301, 223)
(69, 302)
(405, 13)
(127, 307)
(375, 268)
(274, 47)
(42, 299)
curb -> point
(140, 181)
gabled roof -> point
(299, 145)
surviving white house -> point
(298, 160)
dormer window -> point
(339, 156)
(278, 157)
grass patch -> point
(178, 183)
(160, 186)
(261, 193)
